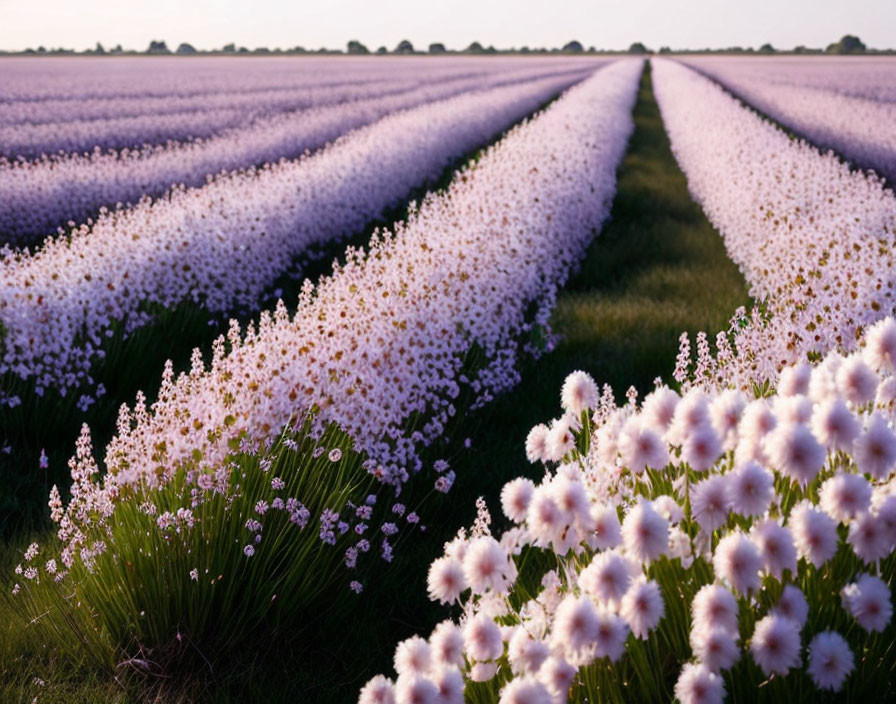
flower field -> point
(281, 338)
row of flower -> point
(738, 540)
(382, 342)
(38, 196)
(813, 239)
(222, 245)
(852, 111)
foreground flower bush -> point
(691, 546)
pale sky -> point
(610, 24)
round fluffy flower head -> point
(793, 605)
(880, 346)
(875, 449)
(483, 671)
(814, 533)
(725, 412)
(775, 645)
(822, 383)
(669, 508)
(835, 425)
(642, 606)
(737, 561)
(525, 690)
(612, 632)
(830, 660)
(868, 600)
(536, 444)
(569, 493)
(559, 440)
(710, 502)
(415, 689)
(445, 581)
(605, 530)
(715, 647)
(579, 393)
(868, 537)
(701, 448)
(575, 629)
(487, 566)
(750, 489)
(776, 547)
(640, 447)
(607, 578)
(379, 690)
(447, 644)
(482, 639)
(557, 675)
(792, 409)
(845, 496)
(525, 653)
(793, 449)
(794, 381)
(856, 381)
(544, 518)
(697, 684)
(691, 412)
(884, 507)
(713, 608)
(515, 498)
(413, 655)
(450, 683)
(645, 533)
(658, 408)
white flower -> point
(415, 689)
(814, 532)
(606, 532)
(835, 425)
(776, 547)
(413, 656)
(525, 690)
(845, 496)
(875, 449)
(794, 381)
(483, 671)
(536, 444)
(515, 498)
(701, 448)
(575, 629)
(775, 645)
(642, 606)
(611, 634)
(557, 675)
(607, 578)
(640, 447)
(446, 580)
(579, 393)
(378, 690)
(880, 346)
(793, 449)
(750, 489)
(737, 561)
(714, 607)
(793, 605)
(559, 440)
(645, 533)
(450, 684)
(856, 381)
(710, 502)
(447, 643)
(482, 639)
(868, 537)
(715, 647)
(868, 600)
(487, 566)
(697, 684)
(830, 660)
(658, 408)
(524, 653)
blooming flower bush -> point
(813, 239)
(380, 350)
(693, 545)
(37, 196)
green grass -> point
(657, 269)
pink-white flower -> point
(658, 408)
(579, 393)
(701, 448)
(607, 578)
(525, 690)
(880, 346)
(487, 566)
(714, 607)
(450, 684)
(641, 447)
(575, 629)
(378, 690)
(413, 656)
(716, 648)
(793, 605)
(793, 449)
(536, 444)
(524, 653)
(697, 684)
(447, 644)
(830, 660)
(775, 645)
(710, 502)
(835, 425)
(868, 537)
(515, 498)
(856, 381)
(845, 496)
(645, 533)
(482, 639)
(557, 675)
(750, 489)
(445, 581)
(612, 632)
(794, 381)
(605, 529)
(875, 449)
(814, 533)
(776, 547)
(737, 561)
(642, 606)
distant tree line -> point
(847, 44)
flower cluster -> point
(813, 239)
(384, 338)
(841, 104)
(774, 518)
(37, 196)
(221, 245)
